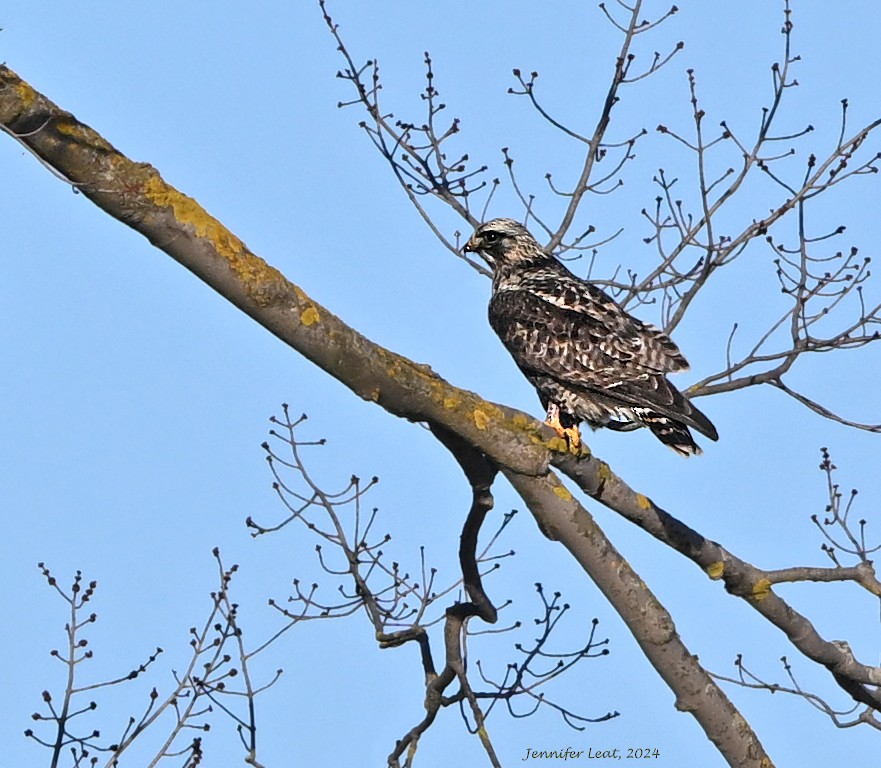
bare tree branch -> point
(840, 717)
(169, 719)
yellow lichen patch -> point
(558, 444)
(643, 501)
(27, 94)
(761, 589)
(715, 570)
(68, 128)
(521, 421)
(481, 419)
(81, 134)
(563, 492)
(309, 316)
(451, 402)
(188, 211)
(604, 472)
(263, 283)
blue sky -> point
(135, 400)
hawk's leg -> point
(570, 434)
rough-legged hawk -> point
(588, 359)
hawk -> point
(588, 359)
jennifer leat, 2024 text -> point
(615, 753)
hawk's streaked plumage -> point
(589, 360)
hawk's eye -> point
(491, 236)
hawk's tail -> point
(670, 424)
(670, 432)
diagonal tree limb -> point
(136, 195)
(740, 578)
(562, 518)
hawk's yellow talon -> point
(570, 434)
(573, 437)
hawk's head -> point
(505, 244)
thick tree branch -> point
(562, 518)
(135, 194)
(740, 578)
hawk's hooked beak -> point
(475, 245)
(470, 246)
